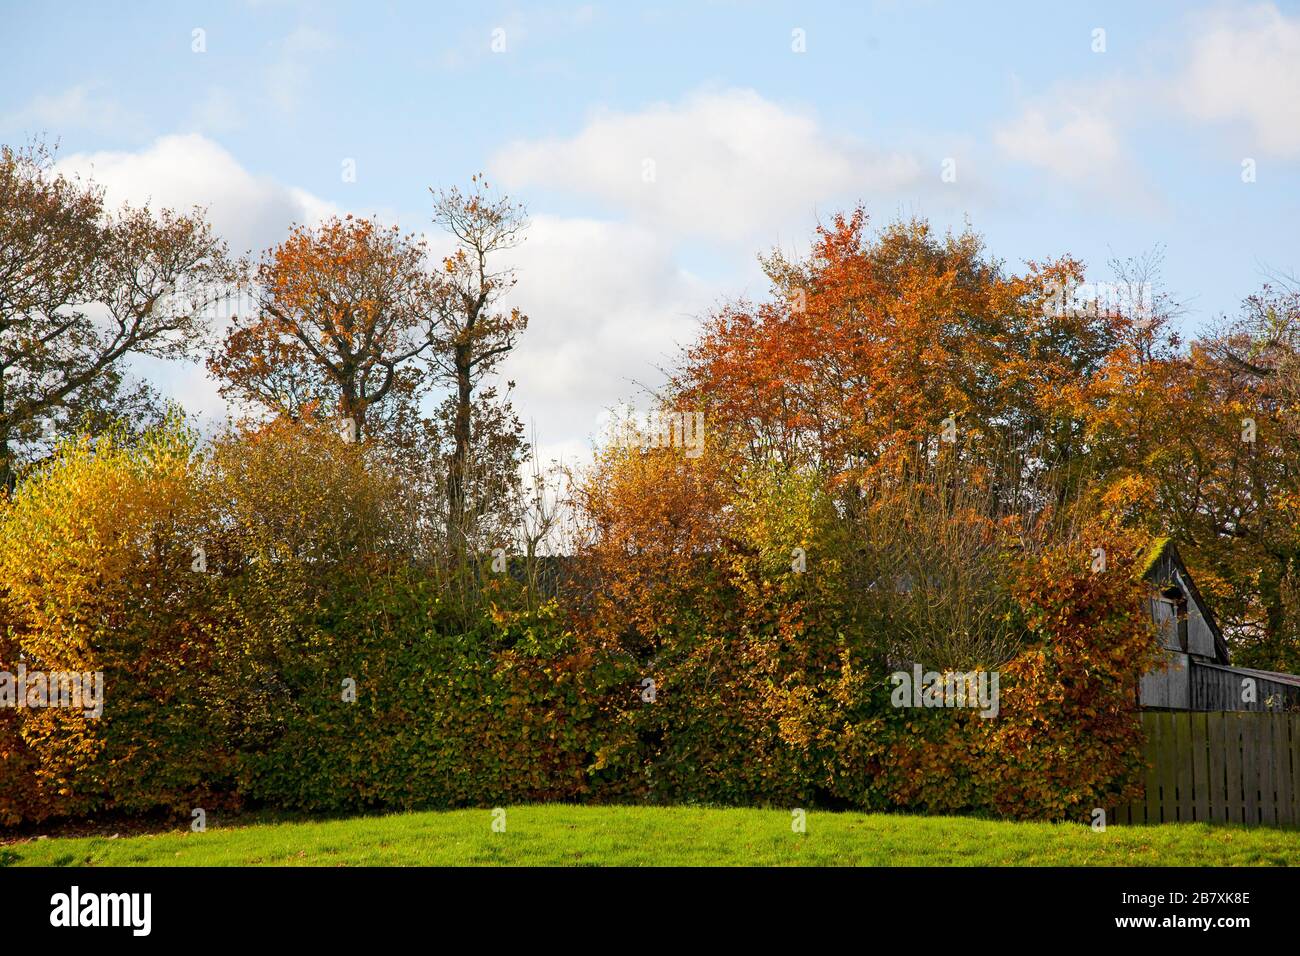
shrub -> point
(95, 557)
(439, 718)
(727, 642)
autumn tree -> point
(956, 410)
(81, 289)
(1226, 477)
(353, 318)
(875, 345)
(475, 330)
(342, 310)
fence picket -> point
(1282, 767)
(1250, 770)
(1183, 729)
(1236, 804)
(1200, 746)
(1217, 762)
(1151, 777)
(1267, 763)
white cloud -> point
(527, 31)
(218, 112)
(1074, 141)
(251, 212)
(83, 106)
(1076, 133)
(305, 40)
(1245, 67)
(729, 165)
(608, 306)
(609, 301)
(185, 382)
(289, 77)
(1238, 66)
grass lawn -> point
(559, 835)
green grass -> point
(559, 835)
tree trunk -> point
(8, 475)
(1272, 597)
(456, 477)
(351, 407)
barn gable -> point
(1184, 619)
(1195, 674)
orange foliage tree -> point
(873, 342)
(342, 311)
(895, 471)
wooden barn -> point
(1196, 674)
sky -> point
(661, 147)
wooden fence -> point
(1220, 766)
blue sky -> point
(1063, 139)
